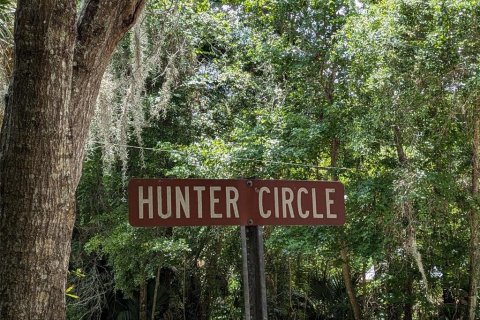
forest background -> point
(381, 95)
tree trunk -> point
(142, 302)
(155, 292)
(408, 212)
(36, 194)
(346, 273)
(347, 278)
(408, 291)
(474, 224)
(58, 66)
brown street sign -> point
(201, 202)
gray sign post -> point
(254, 289)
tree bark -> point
(58, 65)
(100, 26)
(346, 273)
(142, 302)
(347, 278)
(474, 224)
(155, 292)
(36, 212)
(408, 290)
(408, 212)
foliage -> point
(261, 89)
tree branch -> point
(100, 26)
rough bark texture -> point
(474, 224)
(35, 193)
(97, 38)
(59, 63)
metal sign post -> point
(254, 289)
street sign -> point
(201, 202)
(248, 203)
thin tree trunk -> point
(347, 278)
(408, 290)
(142, 302)
(211, 284)
(474, 225)
(407, 211)
(155, 292)
(58, 65)
(346, 273)
(364, 289)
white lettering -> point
(214, 200)
(287, 202)
(169, 201)
(314, 205)
(182, 202)
(142, 202)
(199, 200)
(263, 214)
(159, 205)
(232, 202)
(329, 203)
(299, 203)
(275, 200)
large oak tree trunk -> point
(59, 64)
(36, 193)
